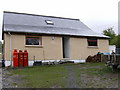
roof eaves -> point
(58, 34)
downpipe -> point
(10, 48)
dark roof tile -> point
(19, 22)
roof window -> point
(49, 22)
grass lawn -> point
(96, 75)
(43, 76)
(93, 69)
(88, 75)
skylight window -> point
(49, 22)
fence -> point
(117, 50)
(113, 58)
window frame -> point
(29, 36)
(92, 41)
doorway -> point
(66, 47)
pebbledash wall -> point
(52, 49)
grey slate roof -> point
(27, 23)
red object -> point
(15, 58)
(20, 58)
(25, 58)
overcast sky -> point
(96, 14)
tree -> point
(109, 32)
(116, 41)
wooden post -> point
(101, 57)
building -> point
(112, 48)
(50, 38)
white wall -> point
(112, 48)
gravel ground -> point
(6, 79)
(11, 81)
(0, 78)
(107, 80)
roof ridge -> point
(41, 15)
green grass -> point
(92, 70)
(95, 71)
(14, 84)
(94, 64)
(115, 79)
(57, 75)
(9, 74)
(43, 76)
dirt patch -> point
(71, 83)
(98, 82)
(10, 80)
(96, 77)
(56, 86)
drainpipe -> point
(10, 48)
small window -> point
(33, 40)
(92, 41)
(49, 22)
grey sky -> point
(96, 14)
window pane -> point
(92, 42)
(33, 41)
(49, 22)
(92, 39)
